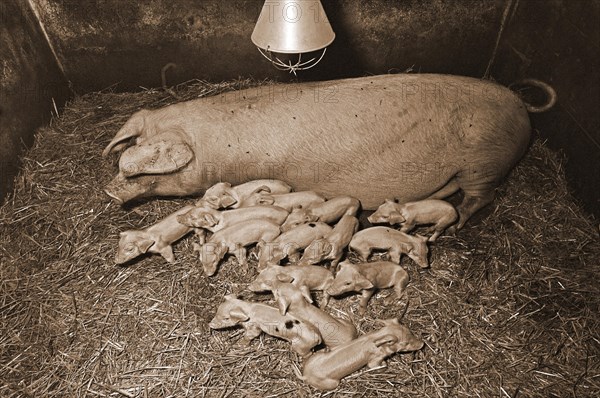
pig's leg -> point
(201, 234)
(301, 349)
(408, 226)
(294, 256)
(325, 300)
(363, 252)
(395, 255)
(167, 253)
(240, 253)
(364, 300)
(377, 362)
(472, 202)
(399, 286)
(252, 332)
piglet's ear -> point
(385, 340)
(238, 315)
(389, 201)
(284, 278)
(262, 188)
(145, 244)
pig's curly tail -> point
(551, 96)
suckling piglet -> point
(438, 213)
(156, 238)
(366, 278)
(258, 317)
(286, 200)
(289, 243)
(215, 220)
(324, 370)
(395, 242)
(331, 246)
(306, 278)
(328, 212)
(234, 240)
(334, 331)
(222, 195)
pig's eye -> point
(348, 283)
(129, 248)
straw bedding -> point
(509, 307)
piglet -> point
(331, 246)
(334, 331)
(234, 240)
(289, 243)
(215, 220)
(222, 195)
(258, 317)
(395, 242)
(327, 212)
(157, 238)
(324, 370)
(306, 278)
(366, 278)
(286, 200)
(438, 213)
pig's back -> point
(405, 134)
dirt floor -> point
(509, 308)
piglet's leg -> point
(167, 253)
(364, 300)
(252, 332)
(240, 254)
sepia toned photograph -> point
(300, 198)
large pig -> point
(327, 212)
(324, 370)
(258, 317)
(413, 136)
(437, 213)
(394, 242)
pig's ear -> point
(210, 219)
(284, 278)
(385, 340)
(389, 200)
(144, 244)
(362, 283)
(238, 315)
(397, 217)
(282, 302)
(228, 200)
(262, 188)
(326, 247)
(156, 157)
(266, 200)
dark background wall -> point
(125, 44)
(29, 79)
(103, 42)
(559, 42)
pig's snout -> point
(123, 190)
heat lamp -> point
(292, 27)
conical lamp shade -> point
(292, 26)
